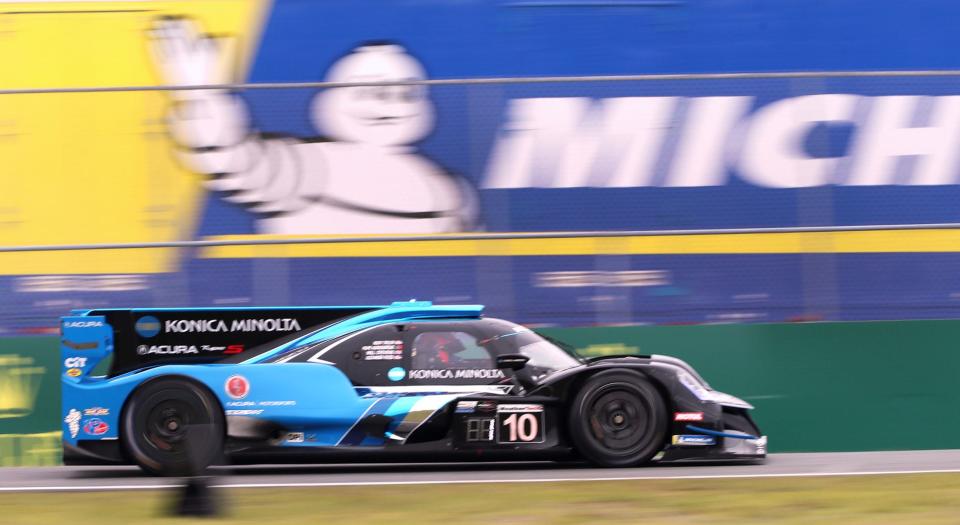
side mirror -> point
(512, 361)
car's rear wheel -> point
(173, 427)
(618, 419)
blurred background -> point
(828, 130)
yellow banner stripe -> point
(877, 241)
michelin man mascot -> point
(362, 176)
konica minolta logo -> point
(147, 326)
(184, 326)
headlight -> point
(705, 394)
(695, 387)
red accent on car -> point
(688, 416)
(237, 387)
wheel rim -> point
(167, 425)
(618, 419)
(173, 428)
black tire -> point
(618, 419)
(173, 426)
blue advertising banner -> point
(700, 152)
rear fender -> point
(277, 396)
(85, 341)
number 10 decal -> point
(520, 424)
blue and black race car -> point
(175, 390)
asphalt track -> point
(25, 479)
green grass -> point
(895, 499)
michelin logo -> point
(363, 175)
(575, 142)
(694, 440)
(73, 422)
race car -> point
(177, 390)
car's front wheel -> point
(618, 419)
(173, 427)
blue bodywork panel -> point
(317, 402)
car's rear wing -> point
(138, 338)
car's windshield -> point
(545, 356)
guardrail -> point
(930, 73)
(471, 237)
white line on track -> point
(93, 488)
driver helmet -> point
(437, 348)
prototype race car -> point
(176, 390)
